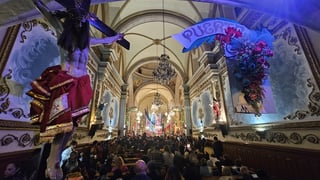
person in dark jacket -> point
(217, 148)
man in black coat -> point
(217, 148)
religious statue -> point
(215, 105)
(62, 93)
(101, 106)
(201, 115)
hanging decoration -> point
(164, 72)
(249, 50)
(251, 70)
(157, 99)
(156, 102)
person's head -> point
(166, 148)
(76, 29)
(244, 170)
(81, 154)
(140, 167)
(193, 158)
(210, 163)
(73, 143)
(226, 171)
(186, 155)
(117, 162)
(11, 170)
(73, 156)
(203, 162)
(74, 176)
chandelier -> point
(164, 72)
(157, 99)
(156, 102)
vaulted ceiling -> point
(143, 22)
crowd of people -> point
(154, 158)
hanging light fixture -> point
(157, 99)
(164, 72)
(156, 102)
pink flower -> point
(261, 44)
(257, 50)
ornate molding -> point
(293, 138)
(212, 63)
(247, 136)
(313, 106)
(278, 137)
(5, 101)
(291, 40)
(27, 27)
(78, 136)
(17, 125)
(23, 141)
(251, 18)
(103, 135)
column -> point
(187, 109)
(123, 110)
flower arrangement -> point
(251, 67)
(252, 70)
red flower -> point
(230, 31)
(226, 39)
(233, 32)
(238, 34)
